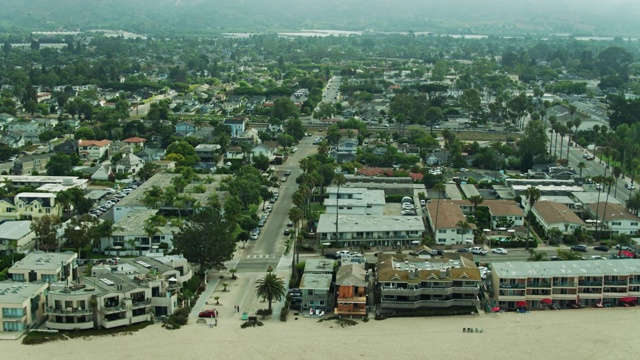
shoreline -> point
(566, 334)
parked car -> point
(629, 186)
(601, 248)
(287, 232)
(582, 248)
(625, 248)
(287, 173)
(479, 251)
(598, 186)
(332, 255)
(283, 179)
(253, 236)
(463, 250)
(598, 257)
(211, 313)
(289, 223)
(499, 251)
(261, 223)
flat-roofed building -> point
(367, 230)
(316, 292)
(408, 284)
(16, 236)
(355, 201)
(45, 267)
(565, 284)
(44, 183)
(21, 307)
(131, 236)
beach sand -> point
(568, 334)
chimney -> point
(443, 274)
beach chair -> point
(321, 313)
(245, 316)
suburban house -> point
(132, 236)
(29, 130)
(6, 118)
(616, 218)
(16, 236)
(93, 149)
(45, 267)
(21, 307)
(29, 164)
(551, 215)
(565, 284)
(237, 126)
(345, 151)
(234, 153)
(135, 142)
(354, 201)
(208, 152)
(120, 147)
(129, 164)
(352, 283)
(103, 172)
(26, 206)
(185, 128)
(13, 141)
(502, 209)
(437, 157)
(444, 218)
(151, 154)
(409, 284)
(267, 148)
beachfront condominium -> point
(565, 284)
(21, 307)
(352, 283)
(410, 284)
(45, 267)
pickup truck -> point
(478, 251)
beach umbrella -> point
(627, 299)
(546, 301)
(521, 304)
(495, 309)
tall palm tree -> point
(463, 226)
(607, 182)
(563, 132)
(439, 187)
(532, 194)
(295, 215)
(569, 131)
(270, 287)
(581, 165)
(552, 123)
(339, 180)
(476, 200)
(557, 126)
(633, 202)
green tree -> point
(476, 200)
(205, 240)
(148, 170)
(46, 230)
(59, 165)
(84, 133)
(82, 232)
(270, 287)
(532, 194)
(186, 150)
(284, 108)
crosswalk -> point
(260, 256)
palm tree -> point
(270, 287)
(552, 123)
(532, 194)
(463, 227)
(563, 132)
(633, 203)
(554, 234)
(606, 182)
(581, 165)
(339, 180)
(569, 131)
(476, 200)
(295, 215)
(537, 255)
(440, 187)
(565, 254)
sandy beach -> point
(579, 334)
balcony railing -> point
(115, 323)
(542, 284)
(429, 303)
(431, 291)
(512, 286)
(141, 303)
(70, 311)
(69, 326)
(615, 282)
(563, 284)
(589, 283)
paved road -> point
(268, 249)
(332, 90)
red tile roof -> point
(375, 171)
(99, 143)
(416, 176)
(134, 140)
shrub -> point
(520, 243)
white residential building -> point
(616, 218)
(355, 201)
(93, 149)
(130, 236)
(356, 230)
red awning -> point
(546, 301)
(521, 303)
(628, 299)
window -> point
(17, 277)
(634, 224)
(442, 231)
(616, 223)
(12, 312)
(442, 240)
(12, 326)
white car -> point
(254, 236)
(629, 186)
(598, 186)
(464, 169)
(499, 251)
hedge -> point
(513, 244)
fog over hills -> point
(503, 17)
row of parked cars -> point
(113, 199)
(265, 215)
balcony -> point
(563, 284)
(140, 318)
(350, 310)
(69, 326)
(589, 283)
(429, 303)
(142, 303)
(539, 284)
(511, 286)
(357, 299)
(108, 324)
(68, 311)
(431, 291)
(615, 283)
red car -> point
(208, 313)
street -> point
(270, 246)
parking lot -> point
(104, 204)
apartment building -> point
(444, 217)
(113, 296)
(21, 307)
(615, 217)
(410, 284)
(551, 215)
(354, 201)
(356, 230)
(45, 267)
(16, 236)
(565, 284)
(27, 206)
